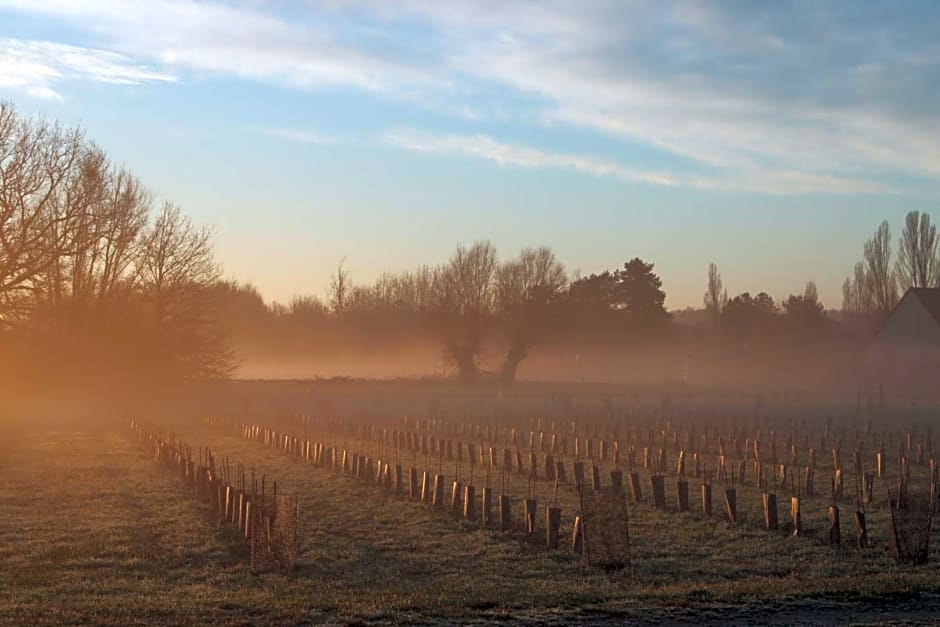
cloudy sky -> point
(769, 137)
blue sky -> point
(770, 138)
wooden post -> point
(552, 523)
(834, 533)
(595, 478)
(413, 492)
(616, 481)
(426, 487)
(505, 513)
(398, 479)
(861, 530)
(487, 503)
(577, 538)
(731, 505)
(455, 493)
(438, 499)
(796, 518)
(868, 484)
(469, 503)
(770, 511)
(635, 489)
(549, 467)
(657, 483)
(560, 472)
(706, 499)
(530, 505)
(579, 473)
(682, 495)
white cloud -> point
(505, 154)
(36, 66)
(759, 93)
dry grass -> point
(95, 533)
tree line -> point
(95, 274)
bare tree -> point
(36, 160)
(716, 297)
(464, 296)
(811, 293)
(177, 274)
(879, 270)
(917, 264)
(527, 289)
(340, 288)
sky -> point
(768, 137)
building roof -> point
(930, 298)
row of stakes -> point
(463, 498)
(235, 495)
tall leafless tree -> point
(177, 274)
(917, 264)
(340, 289)
(880, 271)
(36, 161)
(715, 295)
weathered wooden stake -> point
(835, 537)
(552, 524)
(438, 499)
(413, 492)
(530, 506)
(469, 503)
(682, 495)
(487, 503)
(505, 513)
(731, 505)
(635, 489)
(706, 499)
(577, 538)
(658, 485)
(770, 511)
(796, 519)
(616, 481)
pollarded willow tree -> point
(464, 298)
(529, 290)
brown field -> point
(94, 532)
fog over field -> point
(463, 312)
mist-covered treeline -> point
(98, 280)
(96, 276)
(486, 316)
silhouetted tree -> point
(463, 304)
(594, 292)
(340, 288)
(917, 264)
(879, 270)
(528, 289)
(746, 313)
(638, 291)
(177, 274)
(857, 293)
(715, 295)
(804, 312)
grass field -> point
(94, 532)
